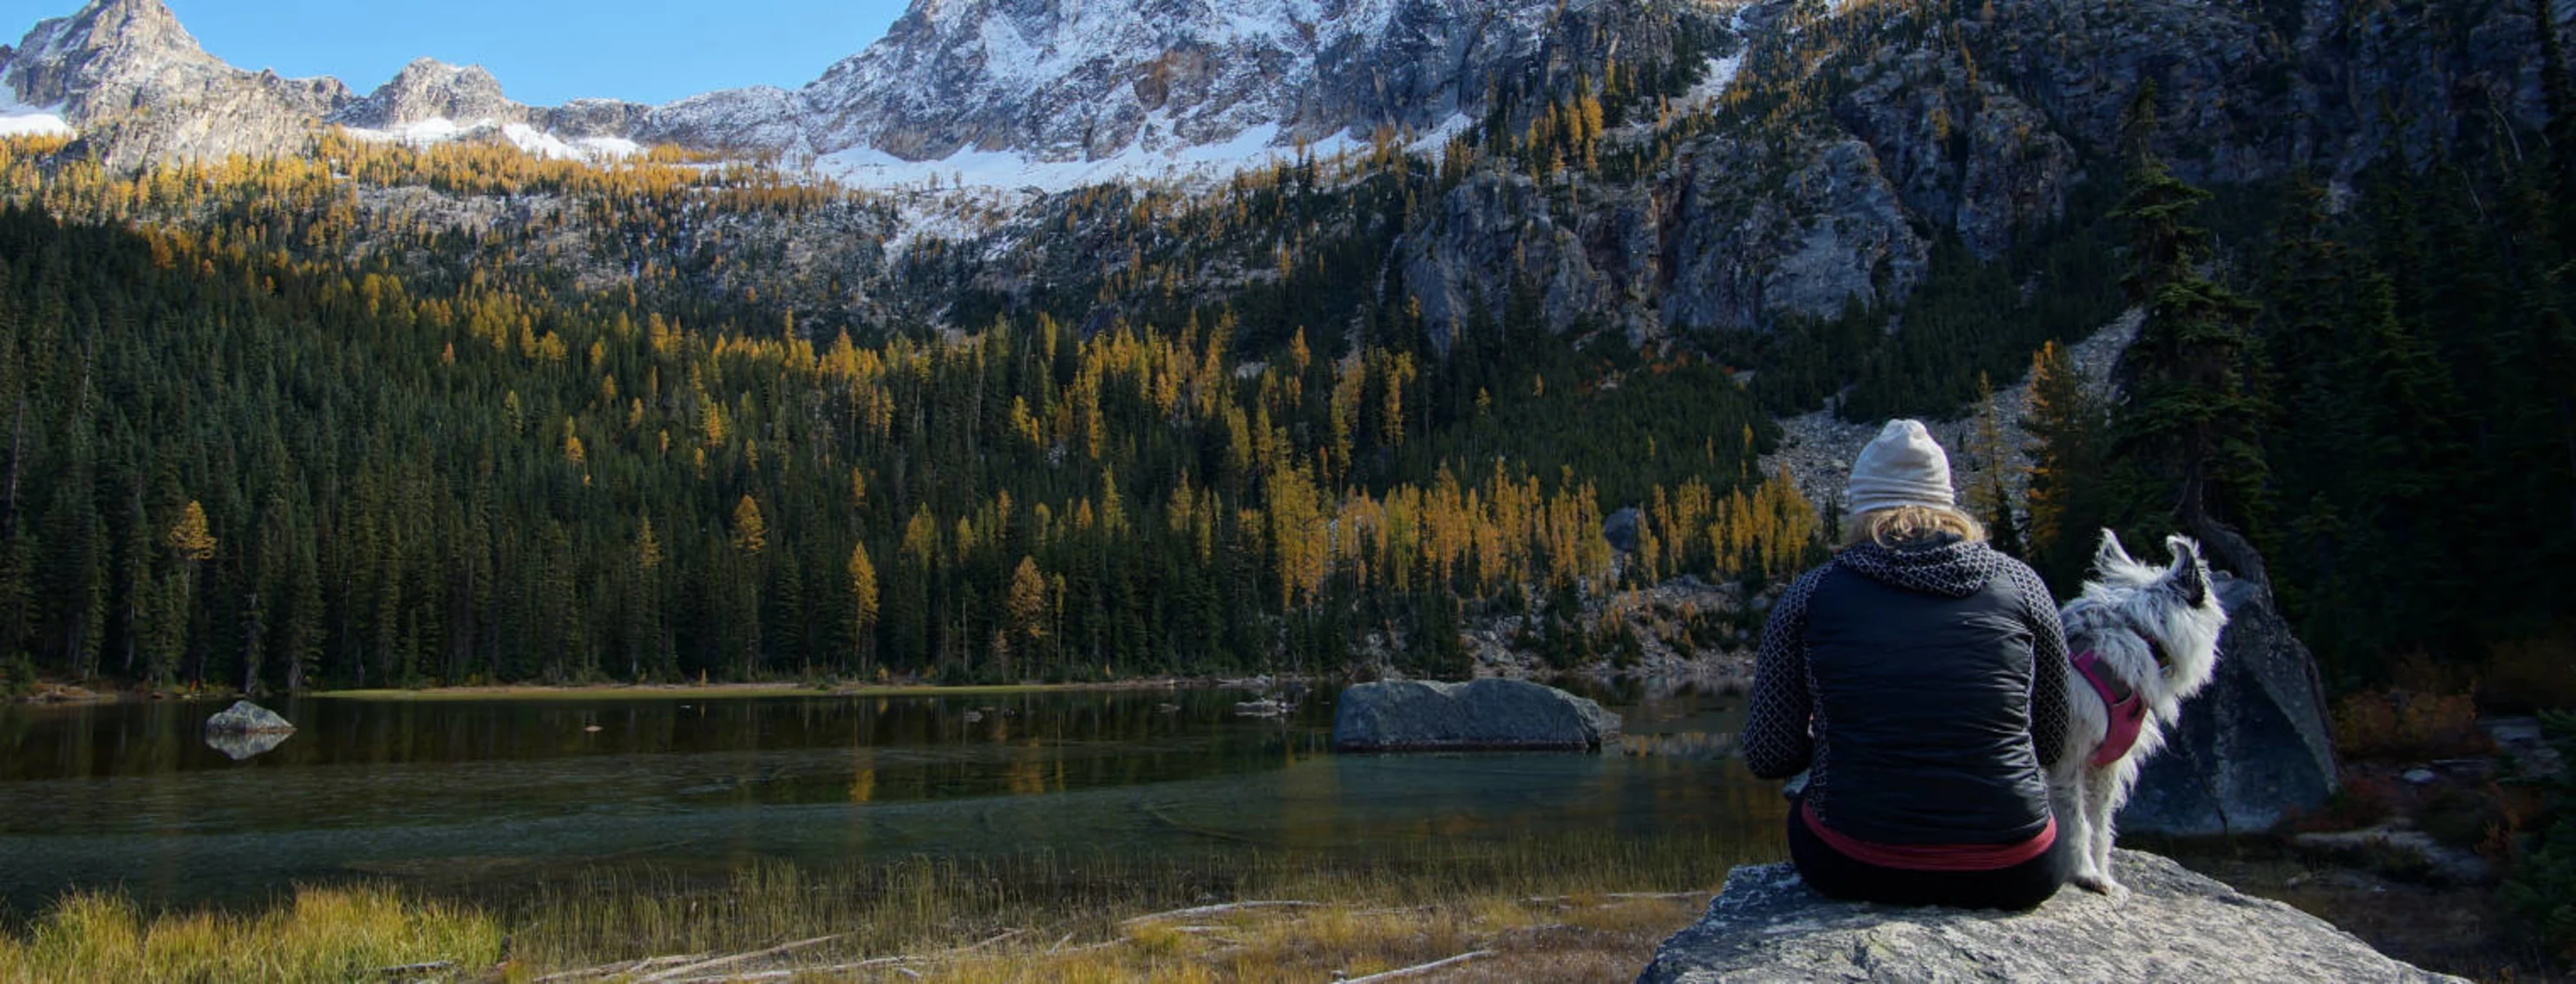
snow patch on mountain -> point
(437, 130)
(543, 144)
(1714, 83)
(17, 119)
(1182, 163)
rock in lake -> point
(2254, 747)
(2177, 926)
(1414, 715)
(1267, 707)
(246, 718)
(246, 729)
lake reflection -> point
(473, 794)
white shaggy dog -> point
(2144, 639)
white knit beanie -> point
(1902, 467)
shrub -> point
(2408, 725)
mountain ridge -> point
(1048, 82)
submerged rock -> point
(246, 718)
(2254, 748)
(1267, 707)
(2176, 926)
(1414, 715)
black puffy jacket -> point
(1932, 677)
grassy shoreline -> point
(1572, 907)
(1575, 907)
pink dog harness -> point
(2128, 710)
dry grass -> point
(1585, 907)
(1596, 939)
(319, 935)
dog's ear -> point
(2189, 574)
(2109, 556)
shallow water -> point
(480, 794)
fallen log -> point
(1210, 910)
(1422, 968)
(685, 970)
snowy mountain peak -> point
(140, 26)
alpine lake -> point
(494, 798)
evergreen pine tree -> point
(2192, 416)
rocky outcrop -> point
(430, 89)
(1498, 232)
(2176, 926)
(2254, 748)
(1964, 152)
(1741, 235)
(1762, 231)
(1412, 715)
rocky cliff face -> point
(1896, 123)
(139, 87)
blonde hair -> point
(1898, 526)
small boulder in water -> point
(1414, 715)
(246, 718)
(1267, 707)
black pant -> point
(1833, 873)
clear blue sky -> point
(543, 51)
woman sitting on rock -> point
(1913, 677)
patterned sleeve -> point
(1776, 741)
(2048, 710)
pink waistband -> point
(1932, 857)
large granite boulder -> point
(1414, 715)
(246, 718)
(2252, 749)
(2176, 926)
